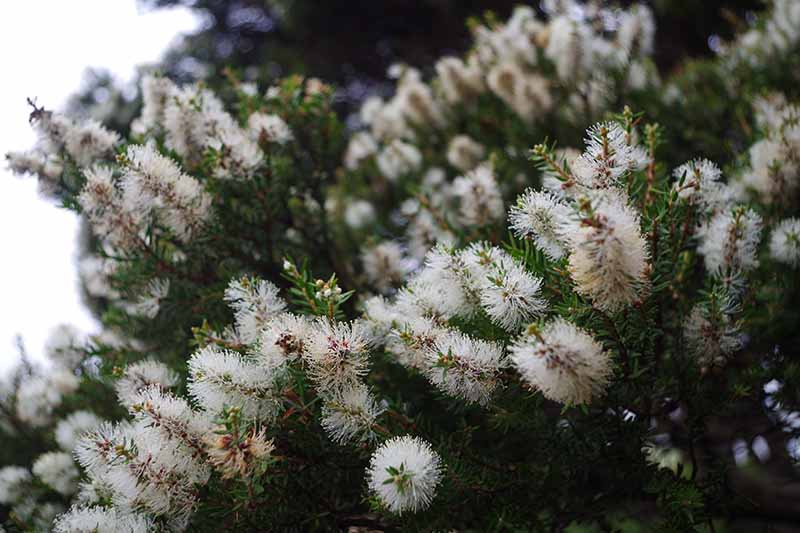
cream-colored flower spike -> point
(563, 361)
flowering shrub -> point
(305, 333)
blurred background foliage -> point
(351, 44)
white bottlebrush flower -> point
(636, 31)
(481, 203)
(48, 167)
(29, 162)
(98, 448)
(528, 95)
(89, 141)
(563, 361)
(465, 153)
(73, 426)
(380, 316)
(608, 156)
(412, 339)
(350, 415)
(156, 476)
(569, 48)
(385, 265)
(545, 219)
(729, 241)
(712, 337)
(436, 292)
(156, 90)
(102, 520)
(254, 302)
(38, 395)
(237, 156)
(103, 204)
(51, 129)
(701, 181)
(337, 354)
(142, 375)
(64, 346)
(461, 82)
(465, 367)
(220, 378)
(237, 457)
(510, 295)
(609, 258)
(154, 184)
(774, 169)
(361, 146)
(417, 103)
(191, 115)
(158, 410)
(455, 272)
(398, 159)
(149, 302)
(404, 473)
(283, 339)
(14, 483)
(784, 244)
(358, 213)
(57, 470)
(271, 128)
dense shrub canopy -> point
(537, 286)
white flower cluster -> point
(774, 173)
(776, 35)
(586, 215)
(151, 468)
(385, 265)
(509, 60)
(40, 393)
(480, 279)
(151, 189)
(18, 491)
(60, 139)
(254, 302)
(146, 468)
(143, 375)
(473, 200)
(57, 469)
(149, 303)
(101, 520)
(729, 240)
(195, 123)
(512, 63)
(143, 198)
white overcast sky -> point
(45, 46)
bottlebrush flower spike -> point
(609, 257)
(404, 473)
(563, 361)
(464, 367)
